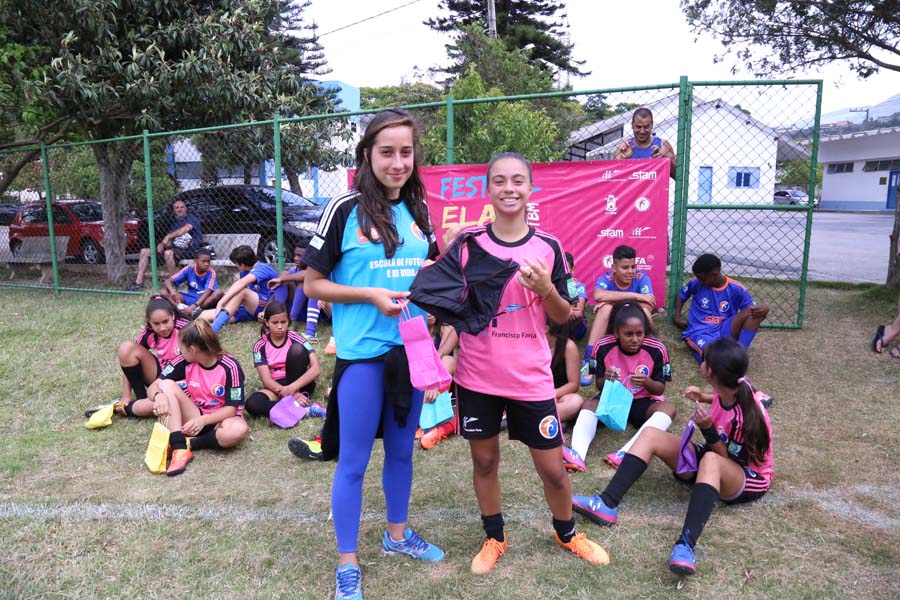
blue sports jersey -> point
(263, 273)
(645, 152)
(195, 283)
(712, 306)
(576, 289)
(341, 251)
(639, 285)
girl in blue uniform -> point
(367, 248)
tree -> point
(796, 173)
(119, 68)
(778, 36)
(521, 24)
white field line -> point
(838, 504)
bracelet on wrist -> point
(710, 435)
(548, 294)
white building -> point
(733, 156)
(862, 169)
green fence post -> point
(151, 230)
(48, 198)
(450, 141)
(682, 181)
(811, 192)
(279, 213)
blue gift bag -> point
(614, 405)
(437, 412)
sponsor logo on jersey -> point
(257, 357)
(417, 232)
(572, 287)
(467, 421)
(168, 369)
(182, 385)
(723, 306)
(651, 175)
(217, 390)
(212, 403)
(513, 308)
(704, 302)
(611, 233)
(308, 346)
(235, 394)
(373, 235)
(548, 427)
(667, 370)
(734, 448)
(642, 204)
(317, 242)
(645, 289)
(611, 204)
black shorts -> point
(536, 424)
(180, 253)
(637, 416)
(755, 485)
(308, 390)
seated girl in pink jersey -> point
(632, 354)
(734, 465)
(201, 395)
(286, 364)
(143, 359)
(565, 367)
(507, 365)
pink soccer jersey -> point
(652, 360)
(166, 349)
(211, 388)
(511, 357)
(729, 424)
(275, 357)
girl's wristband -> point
(548, 294)
(710, 435)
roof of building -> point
(860, 134)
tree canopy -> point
(782, 36)
(535, 25)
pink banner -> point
(592, 207)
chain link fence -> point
(742, 188)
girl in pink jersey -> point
(143, 359)
(506, 367)
(286, 364)
(734, 465)
(631, 353)
(201, 394)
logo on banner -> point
(611, 204)
(647, 175)
(640, 232)
(608, 261)
(607, 175)
(611, 233)
(642, 204)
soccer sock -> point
(135, 376)
(564, 529)
(207, 441)
(177, 441)
(493, 526)
(583, 432)
(659, 420)
(745, 337)
(312, 317)
(221, 319)
(258, 404)
(129, 408)
(703, 501)
(628, 472)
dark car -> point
(8, 213)
(80, 220)
(246, 212)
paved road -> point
(850, 247)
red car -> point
(80, 220)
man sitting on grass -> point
(721, 307)
(248, 296)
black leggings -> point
(259, 404)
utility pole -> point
(491, 19)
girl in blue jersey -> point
(363, 257)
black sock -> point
(703, 501)
(493, 526)
(564, 529)
(129, 408)
(177, 441)
(258, 404)
(628, 472)
(135, 376)
(207, 441)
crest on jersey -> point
(218, 390)
(417, 232)
(723, 306)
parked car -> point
(792, 197)
(8, 213)
(245, 211)
(80, 220)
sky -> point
(389, 49)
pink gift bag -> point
(426, 371)
(287, 412)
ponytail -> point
(201, 335)
(755, 433)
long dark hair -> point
(560, 331)
(159, 303)
(374, 208)
(628, 309)
(728, 362)
(272, 309)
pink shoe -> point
(573, 461)
(614, 459)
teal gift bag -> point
(614, 405)
(437, 412)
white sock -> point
(659, 420)
(583, 432)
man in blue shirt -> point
(181, 242)
(644, 144)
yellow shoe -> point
(488, 556)
(585, 548)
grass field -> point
(80, 516)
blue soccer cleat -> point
(682, 561)
(411, 545)
(595, 509)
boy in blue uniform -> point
(202, 288)
(721, 307)
(248, 296)
(622, 282)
